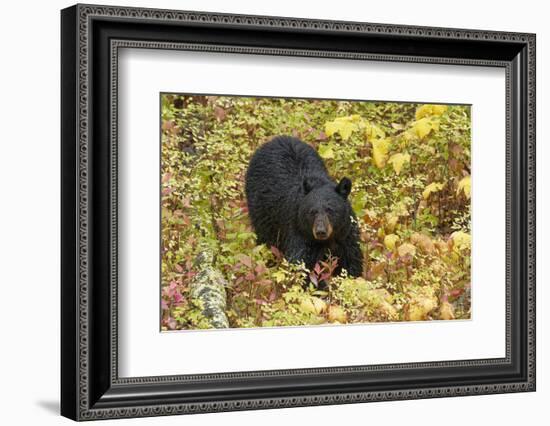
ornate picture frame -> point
(91, 37)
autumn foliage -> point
(410, 167)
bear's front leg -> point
(352, 258)
(295, 249)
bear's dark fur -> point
(297, 207)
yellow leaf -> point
(279, 276)
(405, 249)
(391, 221)
(442, 247)
(432, 187)
(346, 130)
(461, 240)
(326, 151)
(383, 294)
(401, 209)
(345, 126)
(439, 109)
(379, 301)
(390, 240)
(320, 305)
(408, 136)
(380, 152)
(398, 160)
(331, 128)
(423, 111)
(336, 314)
(374, 132)
(306, 305)
(427, 110)
(446, 311)
(420, 307)
(313, 305)
(422, 127)
(424, 242)
(388, 311)
(465, 185)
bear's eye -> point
(313, 211)
(329, 210)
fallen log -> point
(208, 288)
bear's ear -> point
(344, 187)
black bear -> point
(297, 207)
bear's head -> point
(325, 211)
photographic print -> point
(298, 212)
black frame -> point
(91, 37)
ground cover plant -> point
(410, 168)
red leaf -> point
(313, 278)
(317, 268)
(276, 252)
(186, 201)
(168, 125)
(178, 297)
(245, 260)
(456, 292)
(171, 323)
(260, 269)
(219, 112)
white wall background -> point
(29, 213)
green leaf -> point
(326, 151)
(358, 203)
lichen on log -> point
(208, 288)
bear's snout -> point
(322, 228)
